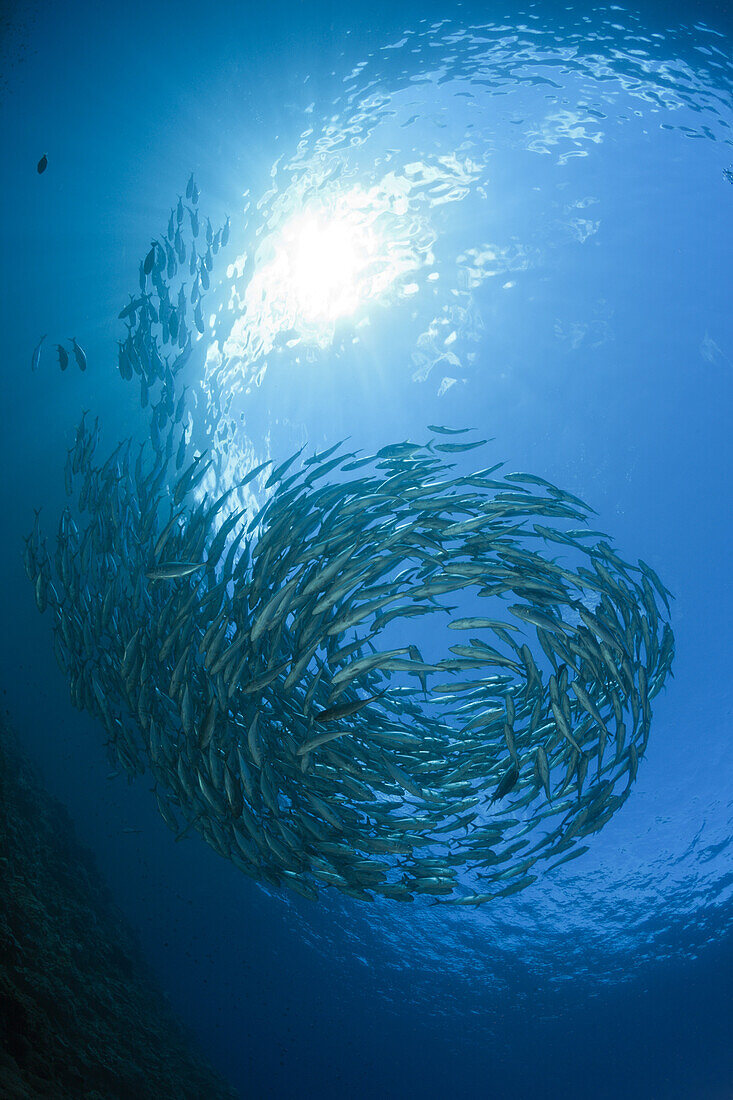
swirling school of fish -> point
(263, 669)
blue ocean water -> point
(541, 196)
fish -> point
(131, 308)
(42, 165)
(149, 260)
(508, 783)
(459, 448)
(322, 739)
(36, 359)
(345, 710)
(79, 354)
(543, 770)
(172, 570)
(63, 356)
(479, 624)
(448, 431)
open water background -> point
(581, 159)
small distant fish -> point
(727, 173)
(42, 165)
(448, 431)
(37, 353)
(79, 353)
(189, 186)
(63, 356)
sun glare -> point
(327, 260)
(324, 263)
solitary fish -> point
(448, 431)
(42, 165)
(37, 353)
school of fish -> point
(263, 668)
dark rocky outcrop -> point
(80, 1015)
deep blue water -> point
(562, 173)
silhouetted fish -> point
(79, 353)
(37, 353)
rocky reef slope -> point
(80, 1016)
